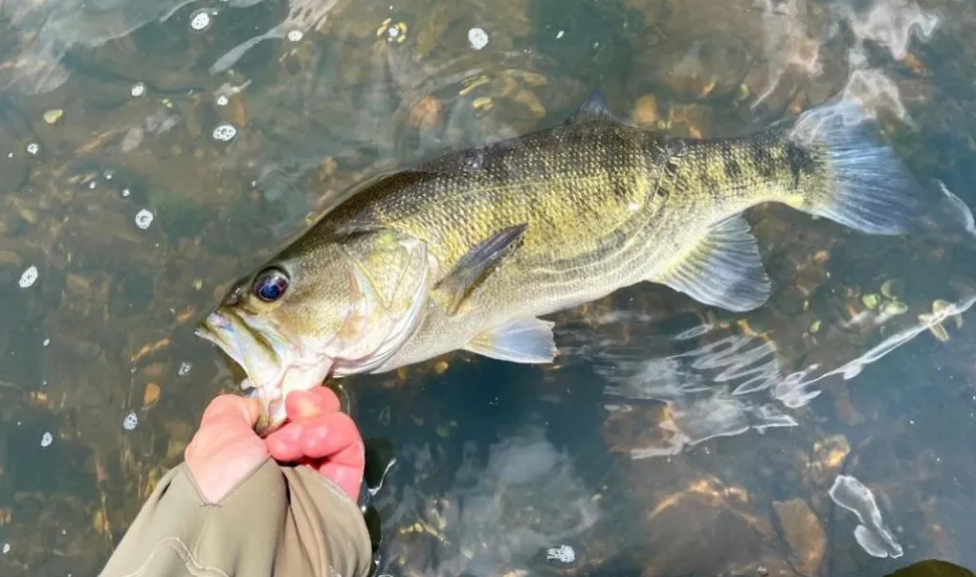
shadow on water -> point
(152, 152)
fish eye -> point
(270, 285)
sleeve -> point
(277, 521)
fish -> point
(470, 250)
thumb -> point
(231, 410)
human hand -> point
(317, 434)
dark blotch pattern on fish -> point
(762, 158)
(733, 170)
(800, 162)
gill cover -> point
(392, 274)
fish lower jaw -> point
(273, 413)
(295, 378)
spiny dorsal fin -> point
(593, 109)
(723, 269)
(527, 341)
(478, 264)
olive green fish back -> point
(577, 186)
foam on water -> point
(872, 534)
(28, 277)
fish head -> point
(321, 309)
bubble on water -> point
(295, 35)
(33, 148)
(143, 219)
(138, 89)
(28, 277)
(130, 421)
(224, 132)
(6, 548)
(184, 369)
(477, 38)
(200, 20)
(46, 342)
(222, 100)
(64, 531)
(563, 554)
(47, 439)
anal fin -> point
(520, 341)
(724, 269)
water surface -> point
(153, 151)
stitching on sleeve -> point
(176, 546)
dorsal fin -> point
(593, 109)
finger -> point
(225, 442)
(231, 409)
(349, 479)
(327, 399)
(317, 438)
(284, 445)
(352, 456)
(300, 405)
(327, 436)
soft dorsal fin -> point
(475, 266)
(593, 109)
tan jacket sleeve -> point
(278, 521)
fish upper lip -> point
(213, 329)
(204, 331)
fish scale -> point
(556, 182)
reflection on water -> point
(517, 506)
(151, 152)
(872, 534)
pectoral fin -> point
(520, 341)
(723, 269)
(478, 264)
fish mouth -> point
(274, 367)
(245, 346)
(216, 330)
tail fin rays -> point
(870, 190)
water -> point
(154, 151)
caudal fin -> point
(869, 188)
